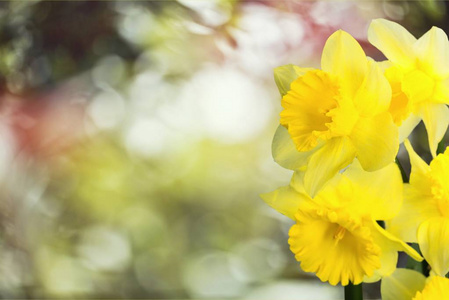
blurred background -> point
(135, 138)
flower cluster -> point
(340, 131)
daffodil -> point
(406, 284)
(334, 114)
(418, 71)
(424, 216)
(336, 234)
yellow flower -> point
(418, 71)
(406, 284)
(334, 114)
(424, 216)
(336, 235)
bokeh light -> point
(135, 138)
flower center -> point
(339, 233)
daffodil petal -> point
(381, 190)
(285, 75)
(376, 141)
(403, 284)
(388, 261)
(393, 40)
(336, 154)
(417, 207)
(436, 120)
(389, 242)
(374, 95)
(285, 200)
(344, 57)
(433, 52)
(433, 238)
(390, 246)
(297, 182)
(407, 126)
(285, 153)
(417, 163)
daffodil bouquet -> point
(340, 129)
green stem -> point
(353, 292)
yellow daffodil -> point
(336, 234)
(424, 217)
(418, 71)
(406, 284)
(334, 114)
